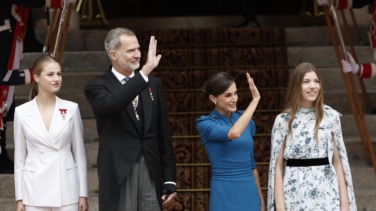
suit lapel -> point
(61, 117)
(146, 106)
(35, 123)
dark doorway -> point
(163, 8)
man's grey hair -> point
(112, 41)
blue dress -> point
(232, 184)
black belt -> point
(307, 162)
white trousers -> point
(71, 207)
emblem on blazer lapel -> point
(151, 94)
(63, 112)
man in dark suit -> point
(136, 163)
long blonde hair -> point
(38, 66)
(293, 96)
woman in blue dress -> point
(227, 135)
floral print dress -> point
(312, 187)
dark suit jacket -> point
(120, 138)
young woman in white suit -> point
(49, 160)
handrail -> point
(348, 78)
(59, 28)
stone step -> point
(323, 56)
(78, 61)
(189, 58)
(332, 79)
(349, 127)
(364, 178)
(97, 61)
(357, 154)
(365, 200)
(87, 39)
(339, 100)
(92, 39)
(73, 84)
(297, 32)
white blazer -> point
(49, 165)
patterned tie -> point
(126, 79)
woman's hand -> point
(82, 204)
(252, 87)
(20, 206)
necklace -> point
(134, 103)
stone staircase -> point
(85, 59)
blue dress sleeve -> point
(252, 130)
(210, 129)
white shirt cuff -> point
(173, 183)
(146, 78)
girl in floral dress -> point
(309, 168)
